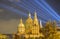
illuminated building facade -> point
(2, 36)
(30, 29)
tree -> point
(48, 30)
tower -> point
(21, 28)
(35, 28)
(29, 24)
(35, 19)
(41, 24)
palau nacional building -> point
(33, 29)
(29, 30)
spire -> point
(41, 24)
(35, 19)
(29, 15)
(21, 20)
(35, 15)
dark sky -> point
(55, 4)
(9, 17)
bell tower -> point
(29, 24)
(21, 27)
(35, 28)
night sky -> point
(12, 10)
(55, 4)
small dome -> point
(21, 25)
